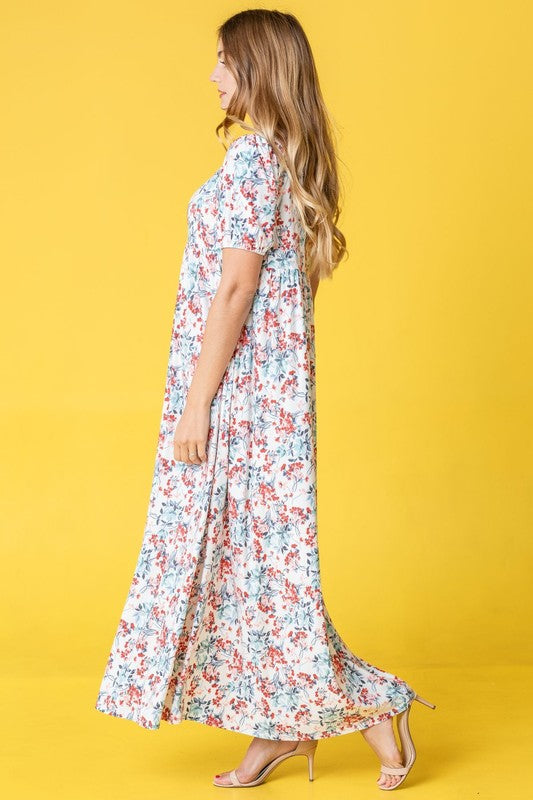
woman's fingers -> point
(202, 453)
(193, 454)
(190, 452)
(191, 435)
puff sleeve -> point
(248, 195)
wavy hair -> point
(270, 58)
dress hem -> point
(368, 722)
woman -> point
(225, 622)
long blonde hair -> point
(270, 58)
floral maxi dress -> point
(225, 622)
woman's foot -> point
(382, 740)
(260, 752)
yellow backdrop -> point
(424, 348)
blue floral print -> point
(224, 622)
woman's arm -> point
(227, 314)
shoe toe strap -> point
(394, 770)
(234, 779)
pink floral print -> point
(225, 622)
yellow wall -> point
(424, 336)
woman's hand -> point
(190, 436)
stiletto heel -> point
(305, 747)
(407, 745)
(310, 759)
(426, 702)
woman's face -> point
(226, 83)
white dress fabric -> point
(225, 622)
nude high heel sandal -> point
(303, 748)
(408, 747)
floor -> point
(475, 744)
